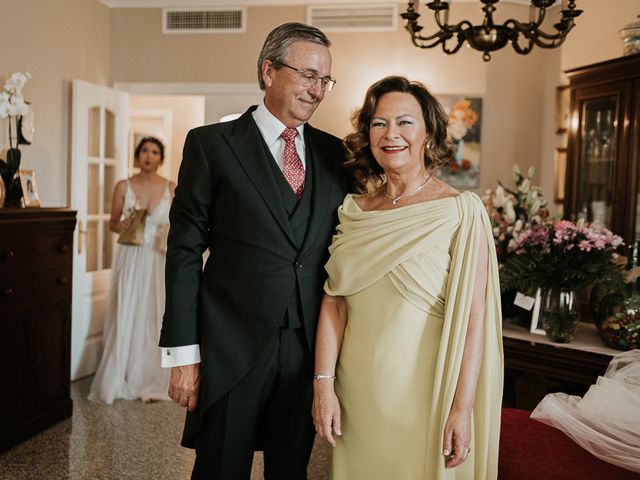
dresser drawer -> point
(29, 253)
(26, 288)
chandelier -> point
(489, 36)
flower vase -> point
(560, 313)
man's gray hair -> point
(276, 46)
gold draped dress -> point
(408, 275)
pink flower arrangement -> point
(560, 254)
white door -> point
(99, 155)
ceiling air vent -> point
(204, 20)
(353, 18)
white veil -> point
(606, 422)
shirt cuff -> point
(179, 356)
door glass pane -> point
(109, 183)
(93, 189)
(107, 245)
(94, 132)
(110, 134)
(598, 154)
(91, 247)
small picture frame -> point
(29, 189)
(563, 108)
(3, 192)
(536, 327)
(560, 166)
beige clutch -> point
(134, 235)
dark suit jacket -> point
(227, 201)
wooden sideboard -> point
(36, 254)
(535, 366)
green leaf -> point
(531, 172)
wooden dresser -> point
(36, 254)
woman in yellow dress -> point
(410, 329)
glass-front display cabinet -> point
(604, 146)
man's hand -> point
(184, 385)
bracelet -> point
(324, 377)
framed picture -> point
(29, 188)
(465, 129)
(560, 166)
(563, 108)
(3, 192)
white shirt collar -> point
(270, 127)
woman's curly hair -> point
(360, 162)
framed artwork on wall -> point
(29, 188)
(560, 167)
(465, 122)
(563, 111)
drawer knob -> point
(61, 280)
(63, 248)
(7, 255)
(8, 292)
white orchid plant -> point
(512, 211)
(12, 103)
(13, 106)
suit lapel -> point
(246, 144)
(321, 184)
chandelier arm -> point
(519, 49)
(553, 40)
(523, 26)
(555, 43)
(460, 39)
(443, 35)
(536, 34)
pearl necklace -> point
(395, 200)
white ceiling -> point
(244, 3)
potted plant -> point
(13, 107)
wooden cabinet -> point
(36, 253)
(604, 145)
(536, 366)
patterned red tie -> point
(293, 169)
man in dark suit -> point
(260, 193)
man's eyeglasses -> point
(309, 78)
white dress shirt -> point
(270, 128)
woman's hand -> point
(326, 410)
(125, 224)
(457, 437)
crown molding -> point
(256, 3)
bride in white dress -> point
(130, 365)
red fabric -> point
(530, 450)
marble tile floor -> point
(129, 440)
